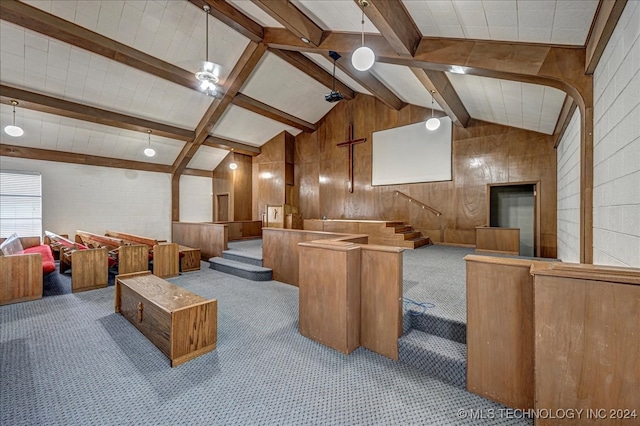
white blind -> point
(20, 204)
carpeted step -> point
(446, 328)
(243, 257)
(239, 269)
(439, 358)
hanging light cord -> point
(149, 138)
(333, 85)
(206, 9)
(14, 109)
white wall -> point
(616, 193)
(97, 199)
(568, 161)
(195, 199)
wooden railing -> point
(423, 205)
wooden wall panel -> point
(483, 153)
(242, 188)
(498, 240)
(270, 173)
(223, 184)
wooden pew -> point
(89, 266)
(131, 258)
(165, 255)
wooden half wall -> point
(281, 253)
(210, 238)
(482, 154)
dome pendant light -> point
(149, 152)
(363, 57)
(12, 129)
(433, 123)
(207, 75)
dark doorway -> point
(514, 206)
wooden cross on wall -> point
(349, 144)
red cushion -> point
(48, 263)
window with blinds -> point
(20, 204)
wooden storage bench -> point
(181, 324)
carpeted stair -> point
(435, 346)
(242, 265)
(439, 358)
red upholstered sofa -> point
(23, 262)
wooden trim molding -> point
(605, 22)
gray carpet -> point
(70, 360)
(251, 247)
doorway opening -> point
(222, 214)
(516, 206)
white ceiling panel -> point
(48, 131)
(244, 126)
(207, 158)
(340, 75)
(254, 12)
(401, 81)
(58, 69)
(523, 105)
(532, 21)
(284, 87)
(336, 15)
(173, 31)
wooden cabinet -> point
(181, 324)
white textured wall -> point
(568, 160)
(195, 199)
(97, 199)
(616, 194)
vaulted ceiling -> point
(92, 77)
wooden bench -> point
(131, 258)
(89, 266)
(189, 258)
(165, 255)
(21, 275)
(181, 324)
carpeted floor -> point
(69, 359)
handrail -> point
(423, 205)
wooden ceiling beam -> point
(199, 173)
(292, 19)
(229, 145)
(52, 26)
(254, 105)
(74, 158)
(314, 71)
(43, 103)
(607, 16)
(395, 24)
(232, 17)
(444, 93)
(371, 83)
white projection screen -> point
(412, 154)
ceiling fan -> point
(208, 74)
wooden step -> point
(415, 242)
(402, 228)
(394, 223)
(408, 235)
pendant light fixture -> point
(363, 57)
(233, 165)
(433, 123)
(207, 76)
(148, 151)
(12, 129)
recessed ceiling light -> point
(306, 40)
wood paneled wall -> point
(210, 238)
(483, 153)
(273, 173)
(237, 183)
